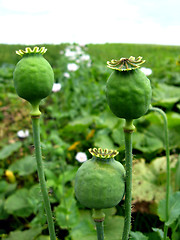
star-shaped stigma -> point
(28, 50)
(125, 64)
(103, 153)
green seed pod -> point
(99, 182)
(128, 90)
(33, 76)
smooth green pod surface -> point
(128, 93)
(33, 78)
(99, 183)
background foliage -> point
(77, 118)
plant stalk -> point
(100, 230)
(168, 175)
(98, 217)
(128, 130)
(36, 135)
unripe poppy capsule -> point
(33, 77)
(99, 182)
(128, 90)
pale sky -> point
(90, 21)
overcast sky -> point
(90, 21)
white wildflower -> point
(81, 157)
(70, 54)
(85, 57)
(56, 87)
(146, 71)
(23, 134)
(89, 64)
(78, 50)
(78, 61)
(66, 75)
(72, 67)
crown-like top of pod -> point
(28, 50)
(125, 64)
(103, 153)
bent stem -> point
(168, 177)
(128, 130)
(98, 217)
(36, 134)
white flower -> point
(146, 71)
(70, 54)
(78, 50)
(72, 67)
(56, 87)
(23, 134)
(85, 57)
(81, 157)
(89, 64)
(66, 75)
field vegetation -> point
(75, 117)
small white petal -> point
(78, 61)
(85, 57)
(72, 67)
(146, 71)
(89, 64)
(56, 87)
(23, 134)
(81, 157)
(66, 75)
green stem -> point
(128, 130)
(100, 230)
(36, 134)
(168, 176)
(98, 217)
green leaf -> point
(67, 214)
(147, 141)
(19, 204)
(6, 188)
(113, 227)
(160, 232)
(68, 175)
(153, 235)
(176, 235)
(1, 172)
(118, 134)
(24, 166)
(85, 229)
(144, 184)
(149, 136)
(3, 213)
(27, 234)
(3, 186)
(108, 120)
(138, 236)
(149, 179)
(174, 209)
(43, 237)
(102, 140)
(165, 95)
(67, 217)
(9, 149)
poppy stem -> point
(128, 130)
(98, 217)
(36, 134)
(168, 174)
